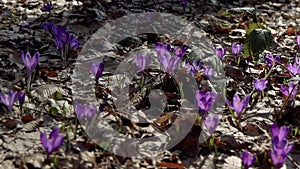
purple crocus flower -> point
(74, 42)
(283, 145)
(294, 68)
(180, 51)
(142, 61)
(281, 132)
(9, 99)
(47, 7)
(220, 52)
(270, 59)
(248, 159)
(166, 60)
(185, 3)
(260, 84)
(62, 40)
(278, 158)
(85, 110)
(48, 26)
(280, 145)
(209, 72)
(211, 122)
(97, 69)
(30, 62)
(238, 105)
(291, 89)
(21, 98)
(54, 141)
(195, 67)
(204, 100)
(236, 49)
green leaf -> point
(53, 111)
(57, 95)
(254, 26)
(192, 56)
(257, 41)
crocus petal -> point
(211, 122)
(58, 141)
(237, 104)
(248, 159)
(43, 138)
(54, 133)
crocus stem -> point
(28, 83)
(76, 127)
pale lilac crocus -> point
(168, 62)
(85, 110)
(220, 52)
(271, 60)
(53, 142)
(97, 69)
(9, 99)
(238, 105)
(248, 159)
(142, 61)
(211, 123)
(260, 84)
(294, 69)
(236, 49)
(291, 89)
(30, 62)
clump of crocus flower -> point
(9, 99)
(220, 52)
(53, 142)
(142, 61)
(85, 110)
(271, 60)
(260, 84)
(294, 69)
(280, 145)
(165, 58)
(290, 91)
(47, 7)
(238, 105)
(30, 64)
(248, 159)
(97, 69)
(63, 39)
(204, 101)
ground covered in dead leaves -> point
(50, 103)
